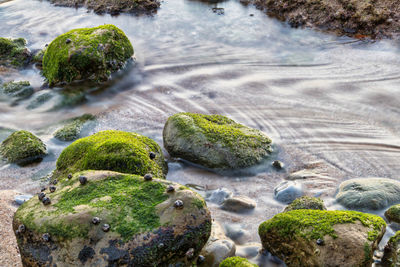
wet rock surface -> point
(239, 204)
(323, 238)
(306, 202)
(358, 18)
(73, 127)
(287, 191)
(391, 254)
(368, 193)
(214, 141)
(142, 230)
(14, 53)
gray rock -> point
(239, 204)
(219, 195)
(287, 191)
(248, 250)
(20, 199)
(368, 193)
(236, 232)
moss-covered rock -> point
(13, 52)
(393, 213)
(323, 238)
(368, 193)
(72, 128)
(237, 262)
(19, 90)
(214, 141)
(306, 203)
(145, 226)
(22, 147)
(391, 253)
(87, 53)
(112, 150)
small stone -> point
(170, 189)
(46, 237)
(43, 189)
(200, 259)
(68, 41)
(55, 181)
(152, 155)
(41, 196)
(52, 189)
(148, 177)
(161, 245)
(277, 164)
(21, 228)
(46, 201)
(178, 204)
(320, 242)
(190, 253)
(96, 220)
(82, 180)
(69, 176)
(105, 227)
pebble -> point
(20, 199)
(21, 228)
(105, 227)
(41, 196)
(152, 155)
(69, 176)
(170, 189)
(287, 191)
(95, 220)
(277, 164)
(52, 189)
(82, 180)
(148, 177)
(68, 41)
(55, 181)
(178, 204)
(46, 201)
(238, 204)
(46, 237)
(320, 242)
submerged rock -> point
(391, 253)
(139, 225)
(214, 141)
(72, 129)
(19, 90)
(22, 147)
(13, 52)
(393, 213)
(323, 238)
(20, 199)
(239, 204)
(219, 195)
(93, 54)
(112, 150)
(218, 247)
(368, 193)
(305, 202)
(237, 262)
(288, 191)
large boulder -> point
(72, 128)
(115, 151)
(13, 52)
(88, 53)
(391, 252)
(22, 147)
(112, 219)
(323, 238)
(214, 141)
(368, 193)
(306, 203)
(237, 262)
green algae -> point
(20, 90)
(71, 130)
(236, 262)
(87, 53)
(22, 147)
(112, 150)
(393, 213)
(13, 52)
(306, 202)
(315, 224)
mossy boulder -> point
(237, 262)
(393, 213)
(112, 150)
(323, 238)
(22, 147)
(146, 228)
(72, 128)
(391, 252)
(214, 141)
(19, 90)
(87, 53)
(13, 52)
(306, 203)
(368, 193)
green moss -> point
(112, 150)
(22, 147)
(393, 213)
(19, 90)
(236, 262)
(199, 202)
(71, 130)
(314, 224)
(13, 52)
(306, 202)
(92, 53)
(367, 253)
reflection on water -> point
(330, 104)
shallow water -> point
(331, 104)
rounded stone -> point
(152, 155)
(21, 228)
(219, 195)
(41, 196)
(96, 220)
(214, 141)
(67, 41)
(83, 180)
(52, 189)
(54, 181)
(287, 191)
(46, 237)
(43, 189)
(69, 176)
(320, 242)
(239, 204)
(46, 201)
(306, 202)
(170, 189)
(278, 164)
(178, 204)
(148, 177)
(106, 227)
